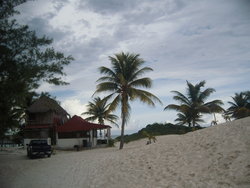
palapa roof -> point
(45, 104)
(76, 123)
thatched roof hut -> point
(45, 104)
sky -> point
(180, 40)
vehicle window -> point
(38, 142)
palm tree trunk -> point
(124, 116)
(122, 133)
(193, 123)
(215, 118)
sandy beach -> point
(217, 156)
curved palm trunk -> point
(122, 133)
(215, 120)
(124, 117)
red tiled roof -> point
(76, 123)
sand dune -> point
(217, 156)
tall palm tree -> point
(193, 105)
(240, 107)
(99, 110)
(124, 83)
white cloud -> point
(74, 107)
(181, 40)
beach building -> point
(46, 119)
(43, 116)
(81, 133)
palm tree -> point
(240, 107)
(193, 105)
(98, 110)
(226, 116)
(184, 117)
(123, 81)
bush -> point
(111, 143)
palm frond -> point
(172, 107)
(107, 71)
(106, 86)
(113, 105)
(99, 110)
(205, 94)
(181, 98)
(143, 82)
(144, 96)
(140, 72)
(107, 78)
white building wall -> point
(69, 143)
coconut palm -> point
(99, 110)
(124, 83)
(226, 117)
(184, 117)
(193, 105)
(240, 107)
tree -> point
(26, 61)
(185, 117)
(193, 105)
(240, 107)
(123, 81)
(99, 110)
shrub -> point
(111, 143)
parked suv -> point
(38, 148)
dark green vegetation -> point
(240, 107)
(123, 81)
(26, 61)
(111, 143)
(99, 110)
(193, 104)
(157, 129)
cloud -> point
(108, 6)
(181, 40)
(74, 107)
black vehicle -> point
(38, 148)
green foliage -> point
(149, 136)
(123, 81)
(99, 110)
(111, 143)
(240, 107)
(192, 105)
(26, 61)
(157, 129)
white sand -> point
(217, 156)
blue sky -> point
(181, 40)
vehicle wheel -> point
(48, 155)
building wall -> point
(69, 143)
